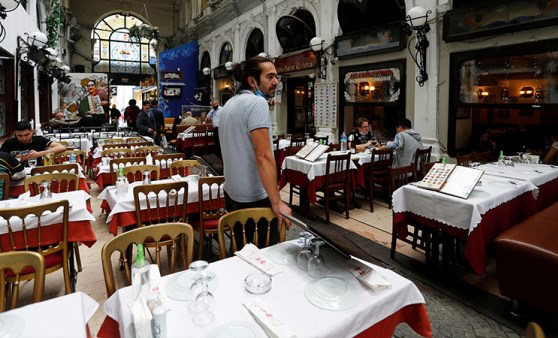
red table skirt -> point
(493, 223)
(548, 194)
(300, 179)
(414, 315)
(182, 144)
(78, 231)
(17, 190)
(103, 180)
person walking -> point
(213, 116)
(159, 120)
(131, 114)
(145, 123)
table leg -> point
(304, 205)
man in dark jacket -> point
(145, 122)
(159, 120)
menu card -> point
(312, 151)
(451, 179)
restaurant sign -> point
(295, 63)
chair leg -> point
(327, 206)
(347, 201)
(200, 243)
(371, 196)
(78, 257)
(291, 194)
(393, 243)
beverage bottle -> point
(501, 162)
(343, 142)
(73, 157)
(121, 183)
(140, 273)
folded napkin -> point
(272, 326)
(368, 276)
(253, 256)
(141, 317)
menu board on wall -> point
(326, 104)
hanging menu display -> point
(326, 104)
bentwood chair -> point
(184, 167)
(179, 235)
(240, 227)
(12, 266)
(5, 179)
(146, 150)
(465, 160)
(337, 184)
(379, 174)
(135, 140)
(59, 182)
(71, 168)
(135, 173)
(64, 156)
(160, 203)
(109, 141)
(115, 145)
(116, 152)
(28, 233)
(421, 155)
(116, 163)
(164, 161)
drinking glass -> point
(316, 264)
(200, 269)
(305, 253)
(288, 136)
(204, 303)
(306, 135)
(32, 162)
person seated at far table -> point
(189, 119)
(376, 129)
(552, 156)
(406, 143)
(59, 120)
(31, 145)
(11, 166)
(361, 137)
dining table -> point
(64, 316)
(337, 305)
(18, 187)
(121, 211)
(496, 203)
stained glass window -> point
(114, 52)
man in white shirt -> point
(213, 116)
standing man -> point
(245, 137)
(11, 166)
(29, 145)
(131, 113)
(406, 143)
(213, 116)
(145, 123)
(361, 137)
(159, 120)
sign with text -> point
(295, 63)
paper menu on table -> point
(312, 151)
(451, 179)
(253, 256)
(368, 276)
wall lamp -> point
(229, 65)
(206, 71)
(7, 6)
(33, 50)
(481, 93)
(317, 45)
(417, 21)
(527, 92)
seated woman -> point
(552, 155)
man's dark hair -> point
(23, 125)
(251, 67)
(132, 102)
(360, 121)
(154, 102)
(405, 123)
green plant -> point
(145, 32)
(52, 23)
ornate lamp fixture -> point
(317, 45)
(417, 21)
(229, 65)
(33, 50)
(7, 6)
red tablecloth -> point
(78, 231)
(17, 190)
(414, 315)
(301, 179)
(548, 194)
(493, 223)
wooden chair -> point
(334, 147)
(71, 168)
(25, 226)
(181, 235)
(109, 141)
(185, 167)
(64, 143)
(13, 265)
(5, 179)
(116, 163)
(59, 182)
(134, 173)
(323, 139)
(134, 145)
(164, 161)
(146, 150)
(483, 157)
(421, 155)
(425, 167)
(336, 186)
(200, 147)
(115, 145)
(234, 224)
(211, 208)
(379, 174)
(399, 177)
(465, 160)
(64, 156)
(135, 140)
(117, 152)
(298, 142)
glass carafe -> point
(46, 193)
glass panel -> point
(104, 49)
(125, 67)
(133, 21)
(226, 53)
(103, 34)
(103, 25)
(96, 51)
(101, 67)
(124, 51)
(115, 21)
(145, 53)
(121, 35)
(147, 69)
(379, 85)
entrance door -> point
(300, 98)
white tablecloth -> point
(64, 316)
(310, 169)
(538, 174)
(285, 300)
(461, 213)
(78, 143)
(283, 143)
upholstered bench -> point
(527, 261)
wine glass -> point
(316, 264)
(204, 303)
(32, 162)
(200, 270)
(305, 254)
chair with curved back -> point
(180, 235)
(109, 141)
(164, 161)
(134, 173)
(64, 156)
(59, 182)
(465, 160)
(5, 179)
(25, 226)
(234, 224)
(116, 163)
(421, 155)
(184, 167)
(293, 188)
(211, 200)
(298, 142)
(134, 145)
(146, 150)
(14, 264)
(116, 152)
(321, 139)
(71, 168)
(534, 330)
(337, 184)
(425, 167)
(115, 145)
(135, 139)
(379, 174)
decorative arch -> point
(255, 43)
(294, 31)
(225, 52)
(114, 52)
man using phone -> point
(11, 166)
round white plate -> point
(502, 184)
(330, 293)
(237, 329)
(11, 325)
(178, 287)
(284, 253)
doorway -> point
(300, 99)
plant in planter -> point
(145, 32)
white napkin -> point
(141, 317)
(368, 276)
(156, 288)
(272, 326)
(149, 159)
(252, 255)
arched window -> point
(357, 15)
(295, 31)
(226, 53)
(255, 43)
(205, 61)
(113, 52)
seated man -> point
(361, 137)
(406, 143)
(189, 119)
(10, 165)
(32, 146)
(59, 120)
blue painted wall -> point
(186, 58)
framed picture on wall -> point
(171, 91)
(225, 96)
